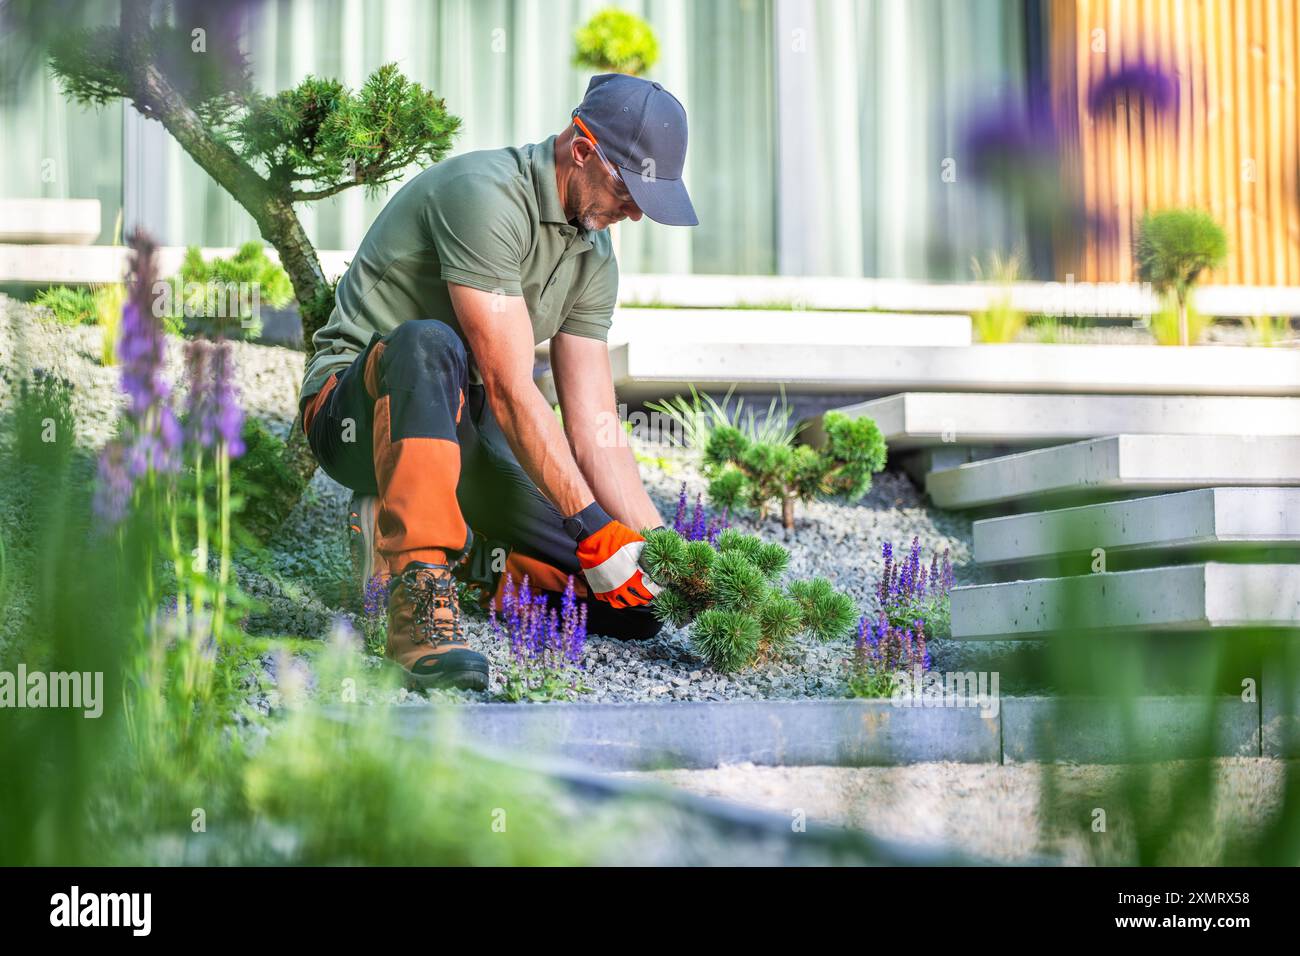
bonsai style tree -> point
(269, 152)
(615, 41)
(758, 474)
(1173, 248)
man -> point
(421, 389)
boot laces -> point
(431, 593)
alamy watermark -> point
(81, 690)
(917, 688)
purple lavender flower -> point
(545, 642)
(114, 485)
(211, 405)
(375, 598)
(679, 520)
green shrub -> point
(1000, 322)
(229, 291)
(759, 475)
(1173, 248)
(615, 41)
(44, 423)
(71, 305)
(731, 598)
(260, 478)
(1165, 328)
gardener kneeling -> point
(421, 388)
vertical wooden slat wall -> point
(1230, 148)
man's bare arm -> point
(500, 335)
(595, 432)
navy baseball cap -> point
(641, 128)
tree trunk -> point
(155, 96)
(1182, 321)
(787, 513)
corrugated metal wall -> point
(1230, 150)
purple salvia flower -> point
(679, 520)
(114, 485)
(229, 416)
(698, 530)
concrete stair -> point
(951, 420)
(1212, 596)
(1119, 465)
(1206, 520)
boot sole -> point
(462, 679)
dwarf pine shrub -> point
(760, 475)
(731, 598)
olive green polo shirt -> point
(490, 220)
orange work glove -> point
(607, 552)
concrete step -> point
(49, 221)
(1212, 596)
(1117, 466)
(1207, 519)
(661, 367)
(1060, 299)
(943, 419)
(785, 327)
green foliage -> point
(1175, 246)
(327, 138)
(615, 41)
(731, 598)
(1001, 321)
(758, 475)
(71, 305)
(1164, 324)
(699, 415)
(728, 639)
(827, 614)
(230, 291)
(44, 423)
(260, 478)
(1268, 330)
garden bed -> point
(300, 579)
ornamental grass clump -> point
(545, 644)
(760, 475)
(908, 590)
(884, 651)
(730, 596)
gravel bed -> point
(300, 580)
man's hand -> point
(608, 556)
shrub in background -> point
(43, 421)
(1000, 322)
(71, 305)
(261, 479)
(759, 475)
(221, 290)
(731, 598)
(1173, 248)
(1166, 325)
(615, 41)
(546, 644)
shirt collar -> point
(548, 194)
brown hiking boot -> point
(425, 637)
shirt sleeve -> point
(593, 312)
(477, 227)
